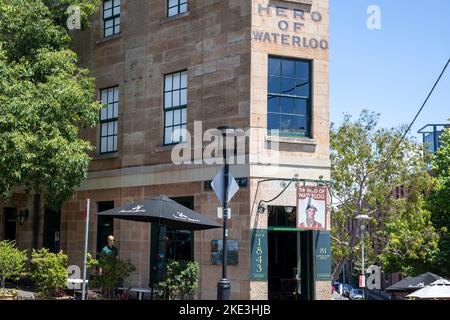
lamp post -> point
(362, 218)
(224, 285)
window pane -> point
(273, 121)
(274, 85)
(173, 3)
(274, 66)
(184, 79)
(183, 97)
(302, 70)
(104, 130)
(286, 122)
(273, 104)
(176, 81)
(108, 32)
(110, 128)
(110, 111)
(116, 127)
(116, 94)
(287, 105)
(303, 89)
(176, 98)
(168, 83)
(183, 8)
(103, 145)
(117, 29)
(168, 135)
(104, 97)
(177, 117)
(183, 133)
(115, 143)
(116, 10)
(110, 144)
(168, 100)
(288, 68)
(108, 4)
(110, 95)
(169, 118)
(288, 86)
(173, 11)
(108, 24)
(107, 13)
(300, 123)
(116, 110)
(184, 115)
(104, 113)
(300, 106)
(117, 2)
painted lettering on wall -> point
(290, 21)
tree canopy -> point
(45, 99)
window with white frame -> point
(175, 7)
(175, 107)
(111, 17)
(109, 116)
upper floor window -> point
(175, 7)
(175, 107)
(109, 116)
(289, 96)
(111, 17)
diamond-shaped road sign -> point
(217, 185)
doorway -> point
(52, 230)
(10, 224)
(290, 258)
(105, 225)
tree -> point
(12, 261)
(366, 170)
(45, 99)
(439, 204)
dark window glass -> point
(111, 17)
(109, 116)
(175, 7)
(175, 107)
(289, 95)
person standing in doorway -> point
(110, 248)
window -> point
(175, 7)
(289, 96)
(111, 17)
(109, 120)
(175, 107)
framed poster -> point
(217, 252)
(312, 207)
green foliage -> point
(439, 204)
(181, 280)
(114, 272)
(45, 98)
(49, 271)
(12, 261)
(366, 171)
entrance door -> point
(10, 224)
(105, 225)
(52, 230)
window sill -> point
(292, 140)
(108, 38)
(102, 156)
(173, 18)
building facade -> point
(162, 66)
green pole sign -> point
(258, 263)
(323, 256)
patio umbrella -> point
(165, 211)
(414, 283)
(439, 289)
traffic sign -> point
(218, 183)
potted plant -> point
(180, 280)
(12, 264)
(49, 271)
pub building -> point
(165, 65)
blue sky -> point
(391, 70)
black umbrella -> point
(412, 284)
(165, 211)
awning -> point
(414, 283)
(439, 289)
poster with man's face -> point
(311, 207)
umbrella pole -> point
(156, 270)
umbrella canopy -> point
(439, 289)
(411, 284)
(165, 211)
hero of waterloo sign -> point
(290, 25)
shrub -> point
(49, 271)
(114, 272)
(180, 281)
(12, 261)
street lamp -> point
(362, 218)
(224, 285)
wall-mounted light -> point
(262, 208)
(22, 216)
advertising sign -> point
(258, 263)
(323, 255)
(311, 207)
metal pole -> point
(86, 238)
(362, 257)
(224, 285)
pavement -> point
(337, 296)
